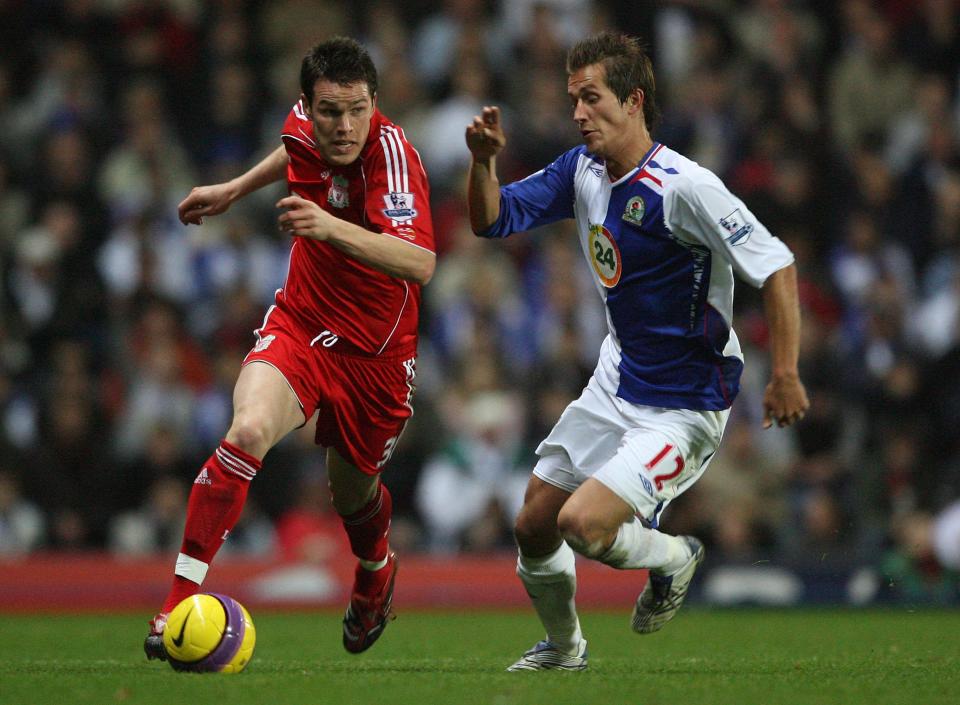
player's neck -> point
(630, 157)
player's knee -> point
(534, 537)
(351, 492)
(587, 535)
(249, 436)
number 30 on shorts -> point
(387, 451)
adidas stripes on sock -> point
(215, 504)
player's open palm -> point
(203, 201)
(485, 136)
(784, 402)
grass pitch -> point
(704, 657)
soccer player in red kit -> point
(341, 339)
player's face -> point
(601, 117)
(341, 119)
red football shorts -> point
(363, 401)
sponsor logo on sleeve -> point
(735, 225)
(399, 206)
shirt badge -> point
(399, 206)
(635, 210)
(605, 256)
(339, 193)
(738, 228)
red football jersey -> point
(385, 190)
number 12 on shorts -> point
(659, 480)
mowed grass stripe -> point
(705, 657)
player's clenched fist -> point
(784, 401)
(203, 201)
(485, 137)
(304, 218)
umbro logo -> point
(203, 478)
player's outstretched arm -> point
(785, 398)
(485, 139)
(217, 198)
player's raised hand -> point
(784, 401)
(485, 137)
(304, 218)
(203, 201)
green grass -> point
(747, 657)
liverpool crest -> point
(339, 193)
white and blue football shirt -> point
(663, 243)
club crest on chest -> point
(339, 194)
(635, 210)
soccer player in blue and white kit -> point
(664, 238)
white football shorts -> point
(646, 455)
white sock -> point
(639, 547)
(551, 582)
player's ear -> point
(306, 105)
(635, 101)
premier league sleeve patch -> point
(399, 207)
(738, 229)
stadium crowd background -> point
(122, 331)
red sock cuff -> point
(368, 528)
(368, 511)
(236, 461)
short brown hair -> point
(339, 60)
(627, 66)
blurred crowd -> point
(122, 330)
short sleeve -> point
(701, 210)
(306, 164)
(398, 194)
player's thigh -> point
(593, 513)
(365, 407)
(265, 408)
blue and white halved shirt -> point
(663, 243)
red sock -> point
(368, 527)
(216, 501)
